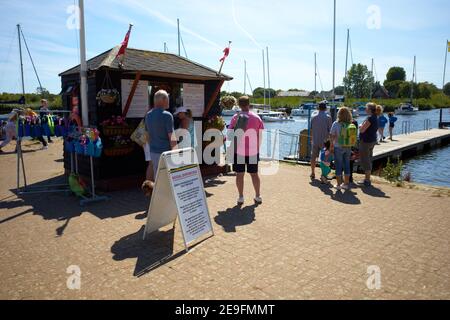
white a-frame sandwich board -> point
(179, 192)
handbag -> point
(140, 135)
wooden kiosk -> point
(127, 90)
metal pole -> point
(346, 60)
(83, 68)
(315, 75)
(371, 87)
(334, 50)
(92, 177)
(412, 81)
(31, 59)
(21, 60)
(165, 47)
(268, 73)
(264, 76)
(445, 63)
(179, 39)
(245, 77)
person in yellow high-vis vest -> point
(46, 117)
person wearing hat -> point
(320, 132)
(184, 120)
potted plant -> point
(108, 96)
(116, 126)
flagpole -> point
(179, 39)
(83, 68)
(447, 48)
(223, 61)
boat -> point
(304, 110)
(361, 109)
(277, 117)
(231, 112)
(406, 109)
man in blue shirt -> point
(159, 125)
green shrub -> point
(393, 171)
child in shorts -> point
(326, 157)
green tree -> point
(393, 87)
(339, 90)
(446, 89)
(259, 93)
(395, 74)
(359, 81)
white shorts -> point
(146, 147)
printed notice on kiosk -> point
(191, 202)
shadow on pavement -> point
(63, 206)
(346, 197)
(237, 216)
(151, 253)
(374, 192)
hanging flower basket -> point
(108, 96)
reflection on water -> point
(432, 168)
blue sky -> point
(293, 30)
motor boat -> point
(304, 110)
(277, 117)
(230, 112)
(406, 109)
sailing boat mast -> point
(21, 60)
(413, 80)
(264, 76)
(83, 68)
(315, 75)
(371, 87)
(346, 60)
(268, 74)
(245, 77)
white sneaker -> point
(258, 200)
(44, 148)
(338, 187)
(345, 187)
(240, 201)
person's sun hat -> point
(180, 110)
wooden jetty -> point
(403, 146)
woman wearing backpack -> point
(343, 138)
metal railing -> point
(427, 126)
(406, 127)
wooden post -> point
(213, 98)
(132, 92)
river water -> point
(431, 168)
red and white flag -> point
(124, 46)
(226, 52)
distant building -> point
(381, 93)
(300, 93)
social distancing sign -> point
(179, 193)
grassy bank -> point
(437, 101)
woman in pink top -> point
(247, 127)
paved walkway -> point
(304, 242)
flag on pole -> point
(226, 52)
(124, 46)
(448, 45)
